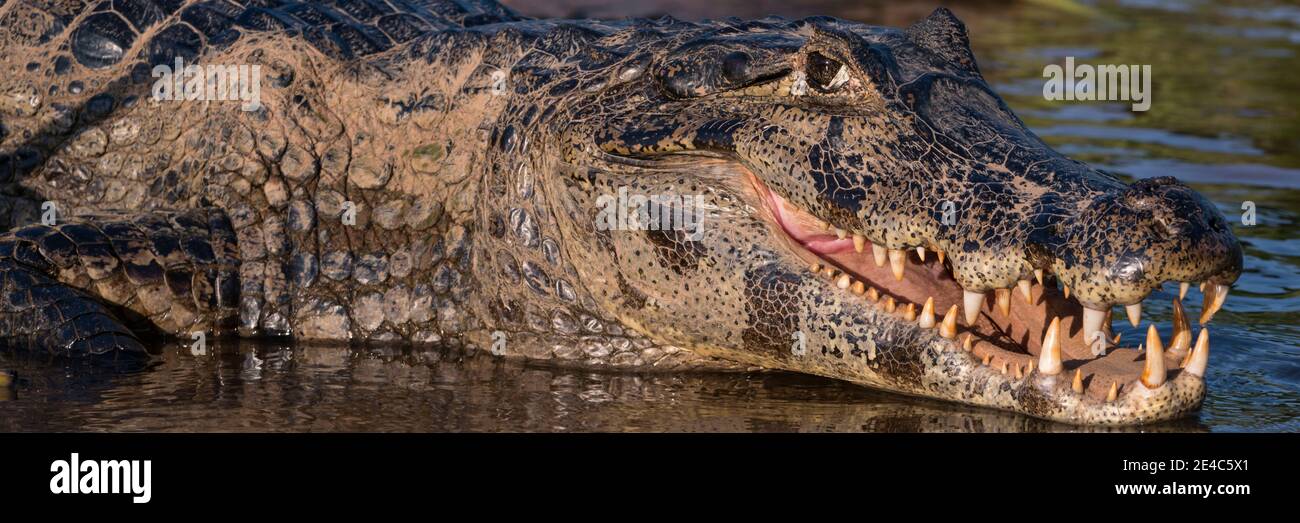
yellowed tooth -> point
(1077, 385)
(948, 328)
(1094, 321)
(829, 272)
(987, 358)
(1003, 299)
(1038, 275)
(1182, 337)
(1026, 288)
(880, 253)
(1113, 393)
(1115, 340)
(859, 243)
(1134, 313)
(927, 314)
(1199, 358)
(940, 255)
(967, 343)
(1004, 368)
(897, 261)
(873, 294)
(909, 312)
(890, 305)
(815, 268)
(1182, 289)
(920, 254)
(971, 302)
(1049, 358)
(1066, 289)
(1215, 294)
(844, 281)
(1153, 372)
(1016, 367)
(840, 233)
(858, 288)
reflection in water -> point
(1224, 118)
(252, 386)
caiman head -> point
(859, 204)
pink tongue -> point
(816, 241)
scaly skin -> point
(476, 146)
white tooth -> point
(839, 233)
(971, 302)
(880, 253)
(1049, 359)
(1134, 312)
(1182, 290)
(920, 253)
(897, 261)
(927, 314)
(1025, 289)
(1215, 294)
(844, 281)
(859, 243)
(1200, 356)
(1093, 319)
(1181, 340)
(1038, 275)
(1153, 372)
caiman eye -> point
(825, 73)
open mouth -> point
(1007, 329)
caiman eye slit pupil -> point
(825, 73)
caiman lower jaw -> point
(1033, 341)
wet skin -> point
(476, 150)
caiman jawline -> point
(1008, 332)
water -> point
(1224, 118)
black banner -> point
(320, 473)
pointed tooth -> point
(948, 328)
(987, 357)
(909, 312)
(1049, 359)
(859, 243)
(1004, 368)
(1113, 393)
(967, 343)
(1182, 289)
(1199, 358)
(1215, 294)
(1018, 374)
(897, 261)
(1182, 337)
(840, 233)
(1093, 322)
(858, 287)
(1134, 312)
(1029, 367)
(1003, 299)
(971, 302)
(1077, 385)
(873, 294)
(890, 306)
(1066, 289)
(844, 281)
(940, 255)
(1025, 288)
(920, 253)
(927, 314)
(880, 253)
(1115, 340)
(1038, 275)
(1153, 372)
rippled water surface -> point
(1224, 118)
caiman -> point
(860, 204)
